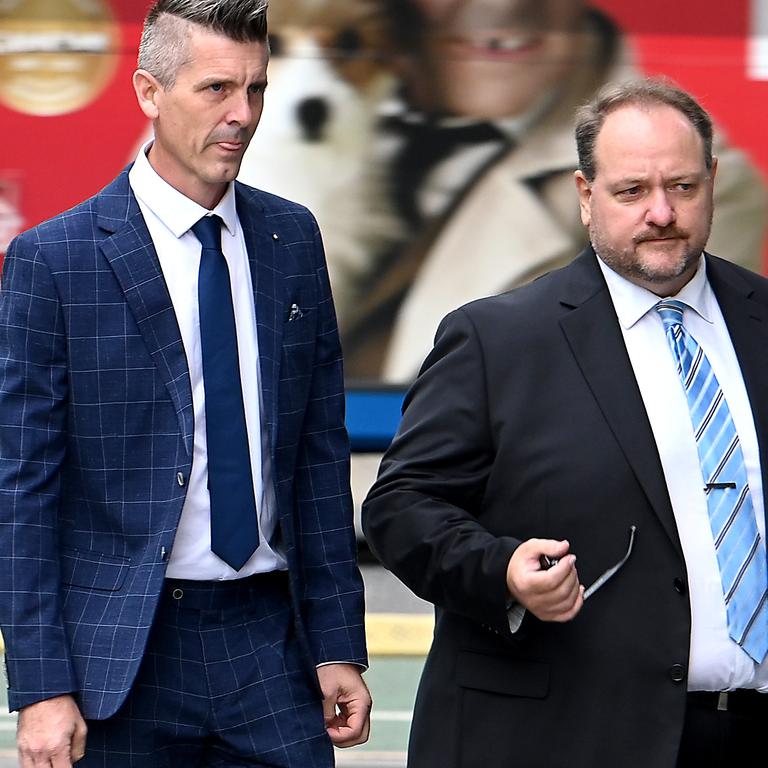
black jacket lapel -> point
(747, 321)
(593, 333)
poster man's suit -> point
(527, 421)
(96, 449)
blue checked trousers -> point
(222, 684)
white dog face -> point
(327, 72)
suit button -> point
(679, 586)
(677, 673)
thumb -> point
(329, 705)
(555, 549)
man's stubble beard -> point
(628, 263)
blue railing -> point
(373, 414)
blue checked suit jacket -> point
(96, 429)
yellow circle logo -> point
(56, 56)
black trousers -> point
(722, 738)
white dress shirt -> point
(169, 215)
(716, 662)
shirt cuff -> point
(363, 667)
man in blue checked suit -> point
(179, 581)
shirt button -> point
(180, 479)
(679, 586)
(677, 673)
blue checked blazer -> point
(96, 429)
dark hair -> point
(644, 92)
(162, 49)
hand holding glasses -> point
(548, 562)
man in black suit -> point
(552, 423)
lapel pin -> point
(275, 236)
(295, 312)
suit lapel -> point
(593, 333)
(747, 322)
(131, 254)
(267, 277)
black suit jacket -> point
(526, 421)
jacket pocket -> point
(93, 570)
(509, 677)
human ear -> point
(584, 189)
(147, 90)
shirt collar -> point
(632, 302)
(176, 211)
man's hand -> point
(550, 595)
(51, 734)
(346, 704)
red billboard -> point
(70, 122)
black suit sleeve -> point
(421, 516)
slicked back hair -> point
(162, 50)
(644, 92)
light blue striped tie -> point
(740, 551)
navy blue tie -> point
(234, 527)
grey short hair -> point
(162, 49)
(647, 91)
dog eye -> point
(275, 45)
(348, 42)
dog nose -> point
(313, 114)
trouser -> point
(723, 730)
(222, 684)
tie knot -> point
(671, 312)
(208, 232)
